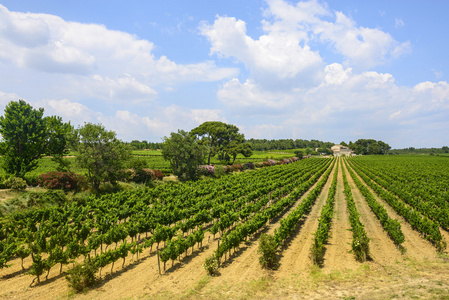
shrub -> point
(272, 162)
(219, 171)
(259, 164)
(207, 170)
(15, 184)
(66, 181)
(248, 166)
(155, 174)
(31, 179)
(141, 175)
(211, 265)
(236, 167)
(82, 276)
(267, 250)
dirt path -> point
(246, 265)
(416, 247)
(382, 249)
(296, 253)
(338, 256)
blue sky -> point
(334, 71)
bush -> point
(211, 265)
(82, 276)
(142, 175)
(66, 181)
(249, 166)
(267, 250)
(15, 183)
(31, 179)
(259, 164)
(207, 170)
(219, 171)
(234, 168)
(272, 162)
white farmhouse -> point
(340, 150)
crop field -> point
(372, 227)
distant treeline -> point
(368, 147)
(284, 144)
(412, 150)
(256, 144)
(141, 145)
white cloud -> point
(335, 74)
(254, 98)
(160, 122)
(68, 110)
(122, 88)
(278, 54)
(128, 68)
(363, 47)
(5, 98)
(262, 131)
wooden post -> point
(158, 261)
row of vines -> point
(111, 227)
(170, 220)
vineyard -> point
(342, 227)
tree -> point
(184, 154)
(219, 138)
(369, 147)
(326, 151)
(28, 136)
(101, 153)
(235, 148)
(299, 153)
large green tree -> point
(27, 136)
(101, 153)
(184, 153)
(369, 147)
(219, 138)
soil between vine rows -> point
(419, 273)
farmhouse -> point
(340, 150)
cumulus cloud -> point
(336, 74)
(68, 110)
(159, 122)
(5, 98)
(149, 125)
(96, 58)
(278, 54)
(249, 94)
(284, 51)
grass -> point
(192, 292)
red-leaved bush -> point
(60, 180)
(143, 175)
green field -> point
(153, 158)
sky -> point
(328, 70)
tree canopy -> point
(28, 136)
(369, 147)
(184, 154)
(101, 153)
(222, 139)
